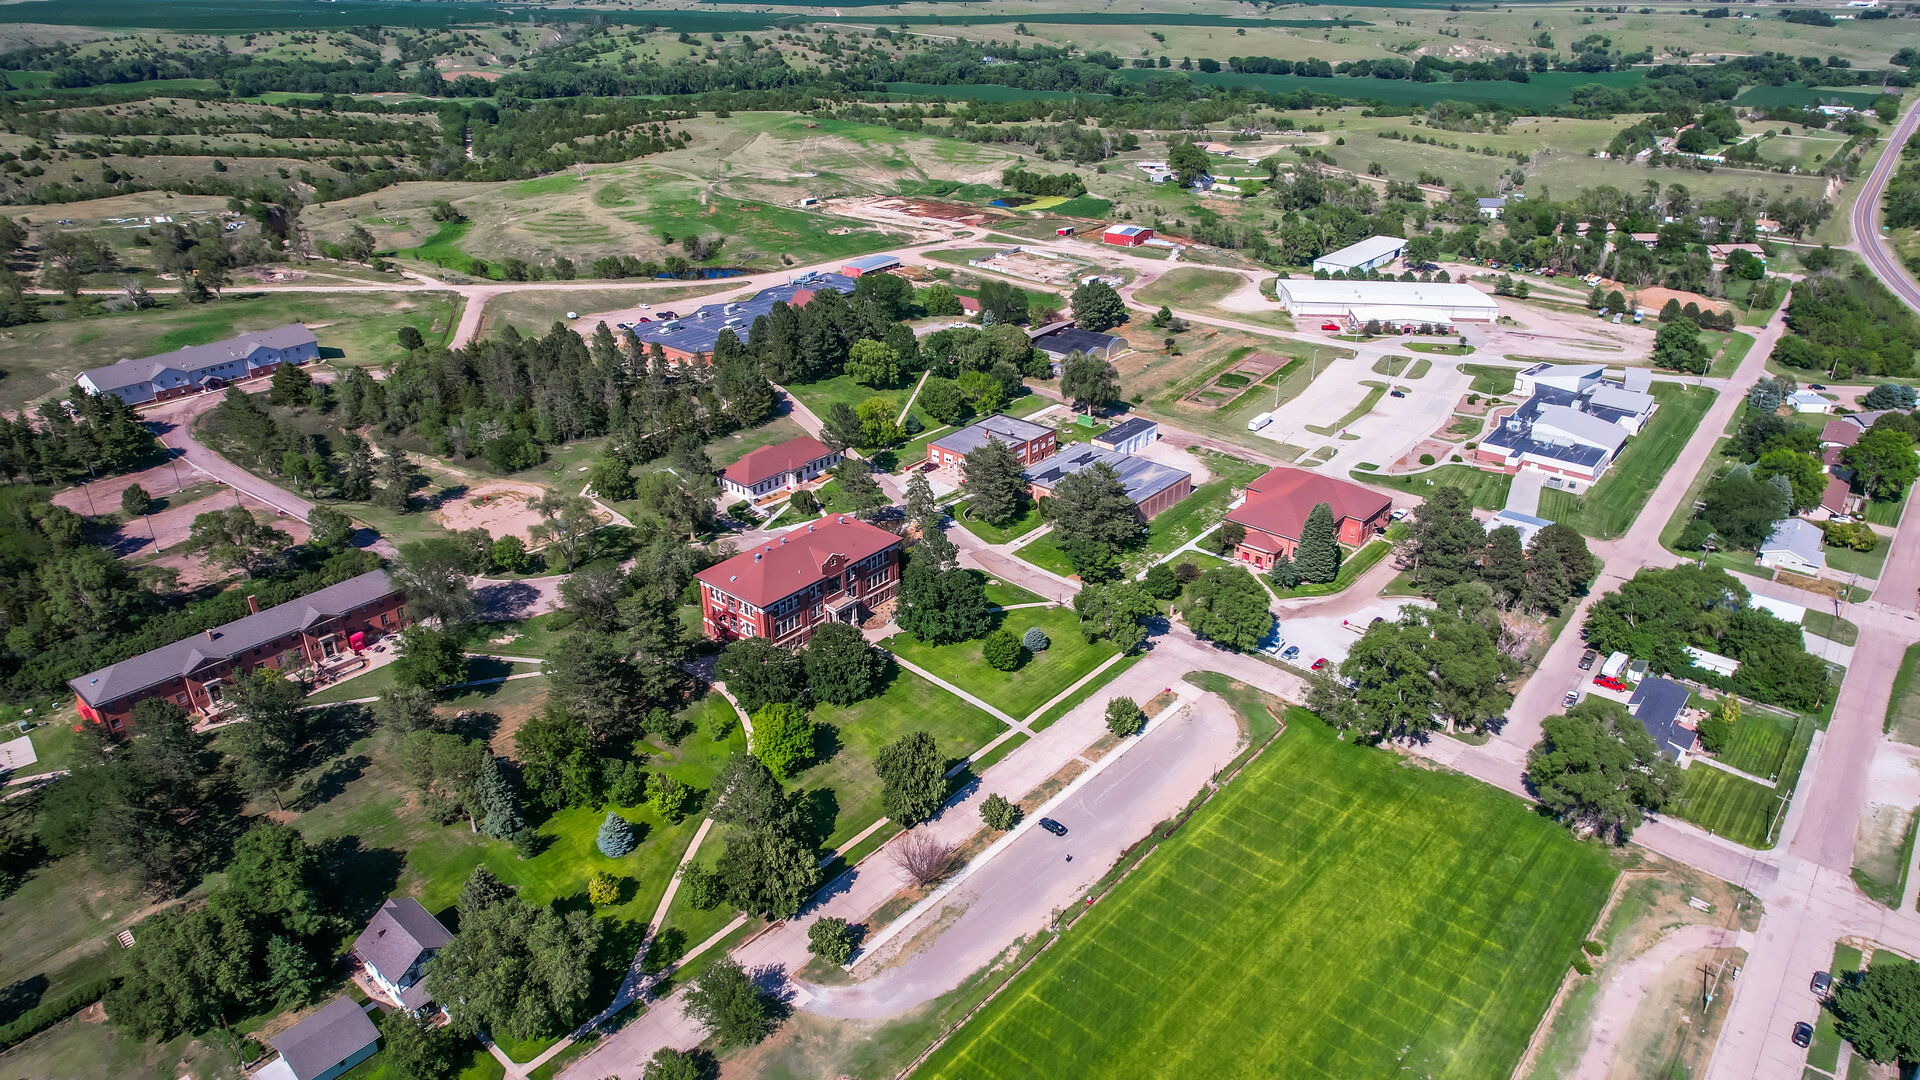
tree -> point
(1001, 650)
(1891, 396)
(436, 576)
(941, 604)
(1446, 541)
(410, 338)
(1088, 381)
(1677, 345)
(1035, 640)
(395, 478)
(1229, 606)
(1883, 463)
(859, 491)
(1318, 555)
(1001, 303)
(1879, 1011)
(767, 871)
(913, 780)
(1117, 613)
(615, 837)
(509, 554)
(1598, 770)
(428, 659)
(1504, 566)
(872, 363)
(1803, 472)
(1124, 716)
(782, 738)
(878, 428)
(728, 1004)
(1093, 519)
(594, 676)
(841, 667)
(232, 538)
(923, 512)
(267, 746)
(999, 813)
(830, 939)
(1283, 573)
(568, 522)
(1097, 306)
(517, 969)
(939, 301)
(611, 478)
(331, 530)
(481, 891)
(1188, 162)
(758, 672)
(498, 806)
(994, 488)
(841, 427)
(134, 502)
(279, 874)
(291, 385)
(417, 1049)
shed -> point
(1711, 661)
(324, 1045)
(869, 264)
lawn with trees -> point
(1460, 910)
(1037, 679)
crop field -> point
(1365, 919)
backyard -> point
(1737, 808)
(1459, 910)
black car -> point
(1822, 984)
(1053, 826)
(1815, 386)
(1587, 658)
(1802, 1034)
(1397, 393)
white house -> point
(197, 368)
(1794, 546)
(1491, 208)
(395, 948)
(1808, 401)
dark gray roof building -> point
(191, 367)
(326, 1043)
(695, 332)
(396, 945)
(1072, 339)
(1657, 704)
(1143, 479)
(231, 641)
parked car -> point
(1802, 1034)
(1609, 682)
(1587, 658)
(1053, 826)
(1330, 326)
(1291, 652)
(1396, 392)
(665, 315)
(1841, 519)
(1822, 984)
(1815, 386)
(1571, 699)
(1399, 514)
(1320, 664)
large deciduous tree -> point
(841, 667)
(1598, 770)
(1093, 520)
(1089, 381)
(758, 672)
(517, 969)
(1117, 612)
(1097, 306)
(1227, 605)
(913, 780)
(1883, 462)
(941, 604)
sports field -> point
(1332, 914)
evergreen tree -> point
(396, 478)
(994, 488)
(482, 891)
(1093, 519)
(1318, 555)
(1283, 573)
(859, 491)
(922, 511)
(1446, 541)
(616, 836)
(1504, 565)
(499, 809)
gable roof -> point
(182, 657)
(796, 559)
(771, 461)
(1125, 430)
(1278, 502)
(1142, 478)
(1632, 402)
(1008, 429)
(194, 358)
(1657, 704)
(1837, 496)
(1841, 432)
(325, 1039)
(1798, 538)
(396, 936)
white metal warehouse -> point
(1388, 301)
(1369, 254)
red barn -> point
(836, 570)
(1127, 235)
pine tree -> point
(1283, 573)
(994, 488)
(1318, 555)
(922, 510)
(1504, 566)
(616, 836)
(493, 796)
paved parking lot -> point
(1332, 636)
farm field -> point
(1459, 912)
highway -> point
(1866, 215)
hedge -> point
(48, 1013)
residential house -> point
(1491, 208)
(324, 1045)
(781, 467)
(395, 948)
(1660, 705)
(1806, 401)
(1838, 499)
(1794, 546)
(836, 570)
(1153, 487)
(1276, 506)
(1030, 442)
(195, 369)
(1841, 433)
(316, 629)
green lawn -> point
(1887, 511)
(1017, 693)
(1738, 809)
(1352, 565)
(474, 1064)
(1024, 523)
(1608, 508)
(1001, 594)
(1867, 564)
(1434, 347)
(1332, 914)
(843, 792)
(1488, 490)
(1490, 380)
(1761, 743)
(1830, 626)
(1903, 708)
(820, 396)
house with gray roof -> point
(320, 628)
(1794, 546)
(324, 1045)
(1153, 487)
(1659, 705)
(1030, 442)
(194, 369)
(395, 948)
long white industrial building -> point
(1388, 301)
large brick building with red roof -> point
(1277, 505)
(778, 467)
(834, 570)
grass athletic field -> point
(1333, 914)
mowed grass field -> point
(1332, 914)
(1610, 506)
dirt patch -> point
(502, 507)
(1653, 297)
(1438, 449)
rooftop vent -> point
(756, 556)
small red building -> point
(836, 570)
(1126, 235)
(870, 264)
(1277, 504)
(1030, 442)
(315, 629)
(779, 467)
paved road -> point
(1867, 238)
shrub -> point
(1580, 965)
(1001, 650)
(830, 939)
(805, 502)
(703, 888)
(998, 813)
(1186, 573)
(135, 501)
(1455, 457)
(742, 511)
(1035, 639)
(1714, 734)
(603, 889)
(1426, 459)
(1592, 948)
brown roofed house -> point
(1277, 504)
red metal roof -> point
(1278, 503)
(770, 461)
(1841, 432)
(796, 559)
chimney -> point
(209, 633)
(253, 604)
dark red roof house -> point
(835, 570)
(1277, 505)
(778, 467)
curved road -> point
(1866, 215)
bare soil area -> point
(502, 507)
